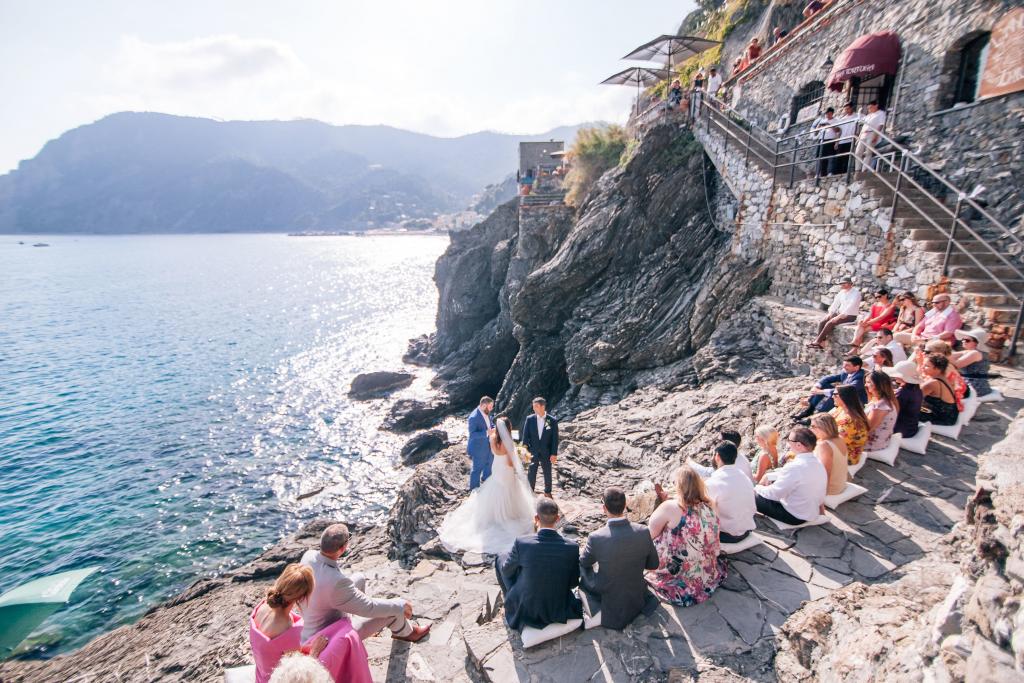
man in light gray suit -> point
(336, 596)
(622, 551)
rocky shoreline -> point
(855, 600)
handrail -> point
(716, 113)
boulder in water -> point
(378, 384)
(423, 446)
(410, 414)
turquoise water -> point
(165, 401)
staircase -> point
(549, 198)
(972, 251)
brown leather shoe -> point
(418, 634)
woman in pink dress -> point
(275, 630)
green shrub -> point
(595, 151)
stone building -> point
(534, 156)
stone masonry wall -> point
(979, 143)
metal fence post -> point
(896, 192)
(792, 167)
(952, 236)
(1016, 329)
(746, 156)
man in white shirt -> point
(733, 494)
(714, 82)
(798, 493)
(847, 124)
(826, 132)
(883, 340)
(844, 309)
(871, 124)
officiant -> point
(540, 436)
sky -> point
(444, 67)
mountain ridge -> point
(140, 172)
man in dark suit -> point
(622, 551)
(821, 400)
(539, 573)
(540, 436)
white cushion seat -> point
(820, 519)
(240, 674)
(851, 491)
(747, 543)
(535, 636)
(971, 405)
(990, 397)
(918, 443)
(887, 454)
(854, 469)
(950, 431)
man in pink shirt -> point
(940, 322)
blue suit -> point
(538, 576)
(821, 403)
(479, 448)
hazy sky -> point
(439, 67)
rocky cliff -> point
(586, 306)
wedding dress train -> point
(497, 512)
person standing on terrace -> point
(844, 309)
(714, 82)
(827, 132)
(871, 124)
(844, 143)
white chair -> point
(851, 491)
(240, 674)
(919, 442)
(820, 519)
(950, 431)
(752, 540)
(990, 397)
(535, 636)
(887, 454)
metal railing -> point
(897, 170)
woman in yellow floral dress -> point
(852, 420)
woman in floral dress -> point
(685, 532)
(852, 420)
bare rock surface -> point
(378, 384)
(423, 446)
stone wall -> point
(980, 143)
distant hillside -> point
(146, 172)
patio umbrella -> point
(25, 607)
(673, 48)
(639, 76)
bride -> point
(497, 512)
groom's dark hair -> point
(539, 401)
(547, 511)
(614, 500)
(486, 399)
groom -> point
(479, 446)
(540, 436)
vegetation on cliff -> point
(596, 150)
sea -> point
(170, 406)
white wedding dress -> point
(497, 512)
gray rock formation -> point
(423, 446)
(378, 384)
(409, 414)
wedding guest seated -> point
(881, 357)
(972, 362)
(844, 308)
(908, 396)
(884, 340)
(822, 399)
(732, 494)
(539, 573)
(939, 405)
(882, 315)
(938, 323)
(813, 7)
(909, 314)
(882, 411)
(797, 494)
(831, 451)
(337, 595)
(853, 422)
(274, 629)
(296, 668)
(936, 346)
(733, 437)
(685, 532)
(622, 552)
(767, 457)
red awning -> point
(868, 56)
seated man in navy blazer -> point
(539, 573)
(540, 436)
(821, 401)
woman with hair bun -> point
(274, 629)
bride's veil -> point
(506, 440)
